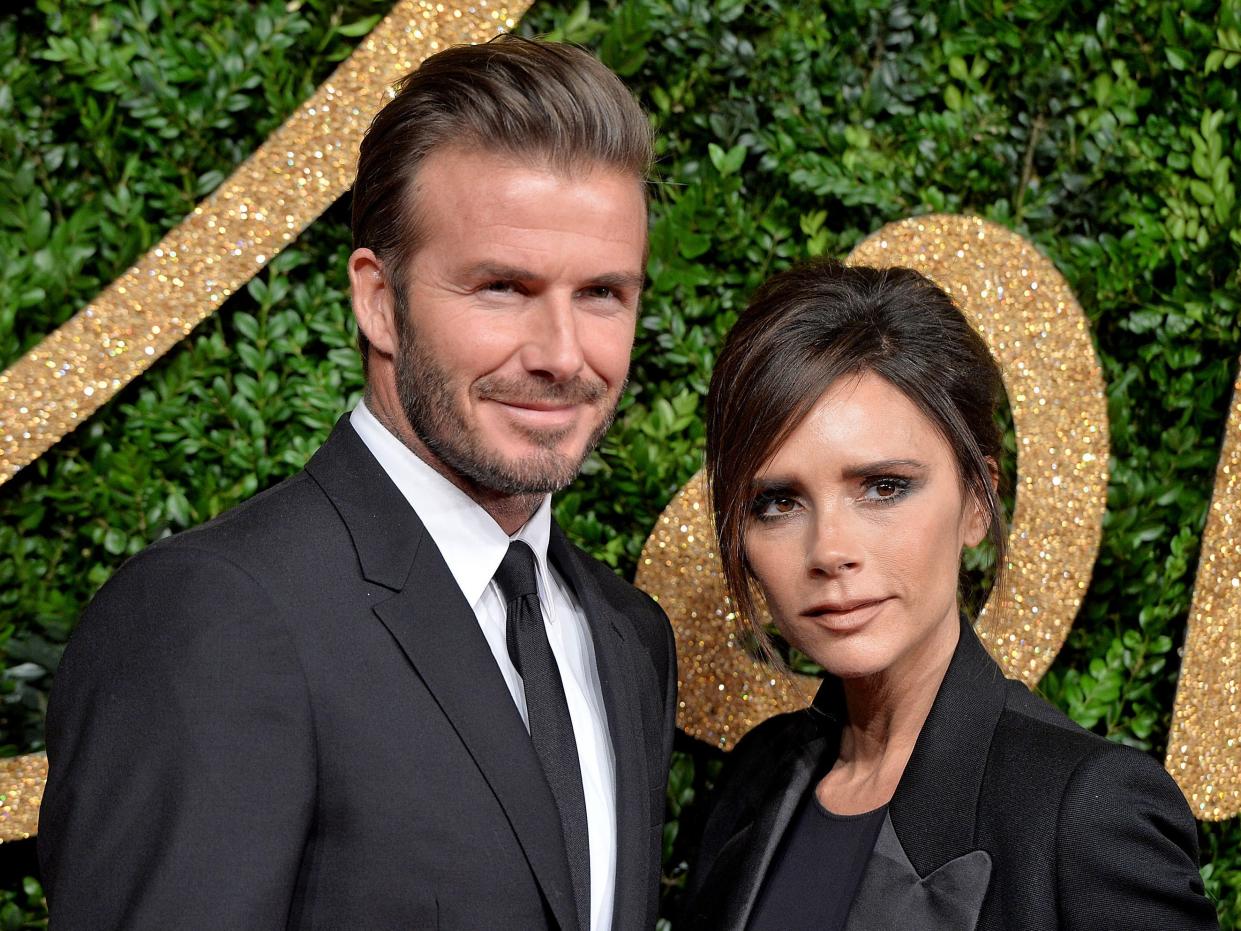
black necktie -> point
(551, 728)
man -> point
(388, 693)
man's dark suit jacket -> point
(289, 718)
(1009, 817)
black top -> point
(816, 871)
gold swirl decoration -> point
(1204, 744)
(298, 172)
(1027, 314)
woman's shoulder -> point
(1037, 749)
(1033, 725)
(1108, 820)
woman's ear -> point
(977, 521)
(372, 298)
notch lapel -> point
(619, 679)
(439, 634)
(935, 807)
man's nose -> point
(552, 347)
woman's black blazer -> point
(1009, 817)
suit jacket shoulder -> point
(1107, 828)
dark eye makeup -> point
(778, 501)
(886, 489)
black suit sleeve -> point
(1127, 849)
(670, 692)
(181, 750)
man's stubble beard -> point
(425, 393)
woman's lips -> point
(845, 615)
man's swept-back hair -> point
(556, 105)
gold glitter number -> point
(1204, 745)
(1027, 314)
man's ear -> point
(977, 521)
(373, 301)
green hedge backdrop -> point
(1108, 133)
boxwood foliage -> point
(1108, 133)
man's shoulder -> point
(249, 548)
(283, 513)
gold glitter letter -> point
(1204, 745)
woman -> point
(851, 454)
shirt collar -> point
(468, 538)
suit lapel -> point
(891, 889)
(737, 876)
(935, 807)
(619, 680)
(436, 629)
(926, 869)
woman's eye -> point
(886, 489)
(774, 505)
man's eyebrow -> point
(620, 280)
(499, 272)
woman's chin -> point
(851, 662)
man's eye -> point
(499, 287)
(600, 292)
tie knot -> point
(516, 575)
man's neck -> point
(511, 512)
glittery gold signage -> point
(1024, 310)
(21, 790)
(302, 168)
(1014, 297)
(1204, 745)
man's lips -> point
(541, 414)
(543, 406)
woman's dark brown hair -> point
(805, 329)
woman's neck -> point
(885, 713)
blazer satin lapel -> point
(737, 888)
(932, 818)
(619, 681)
(892, 894)
(437, 630)
(934, 809)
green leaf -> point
(359, 27)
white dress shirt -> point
(473, 545)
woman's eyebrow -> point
(771, 483)
(879, 466)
